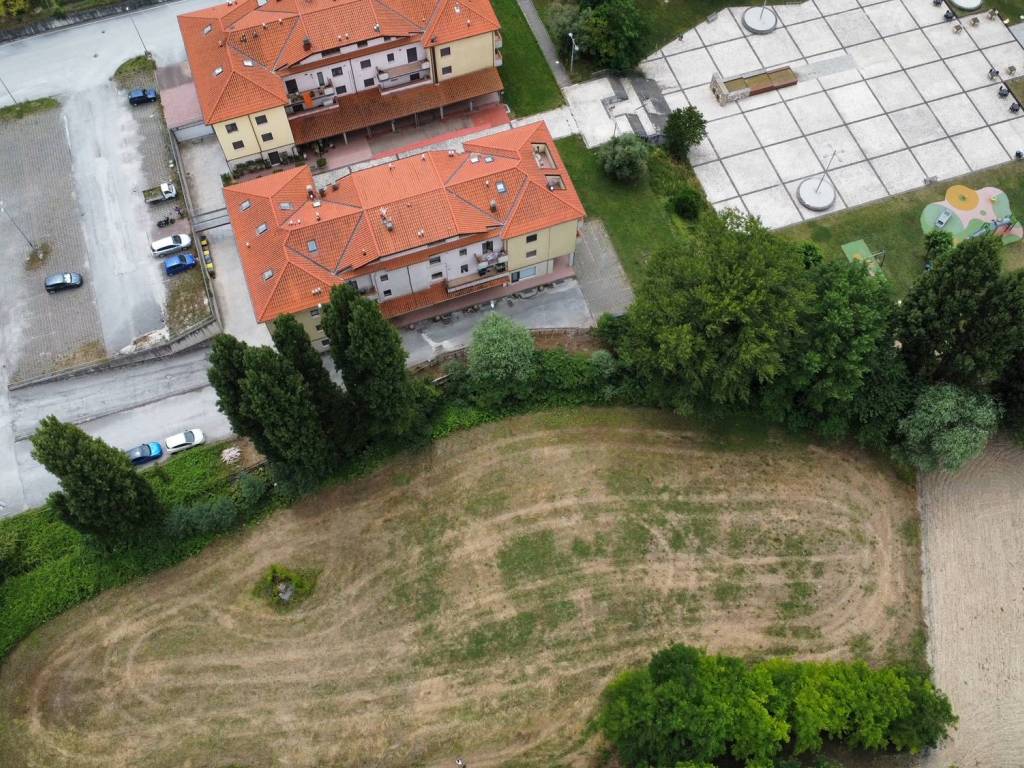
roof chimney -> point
(494, 206)
(420, 233)
(376, 27)
(307, 44)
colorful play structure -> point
(858, 251)
(966, 213)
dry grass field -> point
(474, 599)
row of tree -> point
(688, 708)
(737, 318)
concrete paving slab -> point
(933, 81)
(866, 3)
(677, 100)
(731, 136)
(791, 15)
(829, 7)
(874, 59)
(1011, 134)
(715, 180)
(703, 99)
(857, 184)
(760, 100)
(735, 204)
(584, 100)
(814, 113)
(702, 153)
(970, 70)
(722, 28)
(835, 69)
(805, 86)
(940, 159)
(917, 125)
(852, 27)
(991, 108)
(659, 71)
(890, 18)
(688, 41)
(855, 102)
(839, 140)
(877, 136)
(773, 206)
(560, 122)
(1006, 55)
(981, 148)
(926, 14)
(898, 171)
(947, 42)
(894, 91)
(794, 159)
(806, 213)
(911, 49)
(773, 124)
(813, 37)
(599, 272)
(988, 32)
(774, 49)
(956, 114)
(734, 57)
(692, 68)
(750, 172)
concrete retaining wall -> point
(30, 28)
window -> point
(531, 238)
(410, 54)
(364, 64)
(261, 229)
(446, 70)
(554, 182)
(387, 292)
(291, 86)
(414, 77)
(237, 144)
(500, 186)
(338, 71)
(342, 89)
(384, 278)
(435, 260)
(530, 254)
(320, 79)
(231, 127)
(463, 251)
(523, 273)
(437, 276)
(368, 82)
(329, 52)
(314, 312)
(267, 137)
(489, 246)
(446, 51)
(246, 205)
(285, 206)
(391, 57)
(319, 327)
(312, 246)
(464, 268)
(261, 119)
(362, 44)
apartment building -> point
(273, 74)
(424, 235)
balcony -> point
(497, 40)
(484, 275)
(307, 101)
(497, 57)
(401, 75)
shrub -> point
(250, 491)
(202, 518)
(501, 361)
(226, 179)
(688, 203)
(321, 162)
(456, 418)
(624, 158)
(612, 329)
(684, 128)
(302, 583)
(612, 34)
(189, 477)
(948, 426)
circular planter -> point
(816, 194)
(761, 21)
(966, 5)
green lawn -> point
(893, 224)
(529, 85)
(25, 108)
(637, 218)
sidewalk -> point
(544, 41)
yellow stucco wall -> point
(310, 323)
(249, 133)
(551, 243)
(468, 55)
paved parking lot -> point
(887, 85)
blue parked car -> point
(145, 453)
(179, 263)
(142, 96)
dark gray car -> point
(63, 281)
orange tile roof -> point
(434, 202)
(252, 41)
(370, 107)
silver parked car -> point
(166, 246)
(184, 440)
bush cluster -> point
(609, 33)
(301, 581)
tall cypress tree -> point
(274, 395)
(100, 492)
(227, 369)
(336, 317)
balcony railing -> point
(315, 98)
(497, 40)
(483, 275)
(401, 74)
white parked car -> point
(184, 440)
(165, 246)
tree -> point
(613, 34)
(330, 402)
(688, 203)
(962, 321)
(716, 315)
(886, 397)
(685, 128)
(387, 403)
(1010, 391)
(227, 369)
(562, 18)
(336, 317)
(948, 426)
(847, 327)
(275, 396)
(624, 158)
(501, 363)
(100, 492)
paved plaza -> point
(886, 86)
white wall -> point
(353, 74)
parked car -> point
(142, 96)
(204, 249)
(163, 191)
(63, 281)
(145, 453)
(184, 440)
(165, 246)
(177, 264)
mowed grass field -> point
(474, 599)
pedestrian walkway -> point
(599, 272)
(544, 41)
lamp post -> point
(572, 51)
(20, 230)
(14, 100)
(131, 18)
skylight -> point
(218, 71)
(248, 63)
(246, 205)
(261, 229)
(500, 186)
(312, 246)
(208, 29)
(268, 274)
(285, 206)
